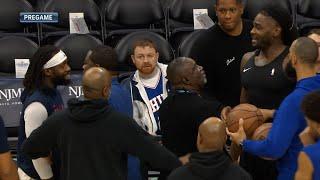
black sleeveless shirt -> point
(266, 85)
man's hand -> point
(184, 159)
(267, 113)
(307, 137)
(224, 112)
(238, 136)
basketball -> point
(262, 131)
(251, 115)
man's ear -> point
(106, 92)
(132, 58)
(48, 72)
(294, 60)
(157, 56)
(185, 80)
(241, 9)
(200, 139)
(277, 31)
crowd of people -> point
(171, 118)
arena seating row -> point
(109, 20)
(76, 47)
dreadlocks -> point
(34, 76)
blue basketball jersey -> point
(155, 96)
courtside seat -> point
(10, 20)
(76, 47)
(122, 17)
(308, 15)
(252, 7)
(52, 32)
(180, 18)
(14, 47)
(124, 48)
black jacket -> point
(181, 114)
(94, 141)
(209, 166)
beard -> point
(61, 80)
(290, 71)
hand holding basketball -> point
(251, 115)
(238, 136)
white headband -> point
(55, 60)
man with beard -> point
(48, 68)
(148, 85)
(263, 73)
(282, 142)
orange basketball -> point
(262, 131)
(251, 115)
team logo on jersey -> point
(246, 69)
(156, 102)
(272, 72)
(230, 60)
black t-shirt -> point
(181, 113)
(3, 138)
(220, 55)
(267, 85)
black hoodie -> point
(209, 166)
(94, 141)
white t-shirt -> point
(34, 115)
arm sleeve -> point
(42, 139)
(35, 114)
(3, 138)
(140, 144)
(284, 128)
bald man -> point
(93, 139)
(211, 162)
(315, 35)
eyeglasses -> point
(224, 11)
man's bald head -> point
(306, 50)
(211, 135)
(96, 83)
